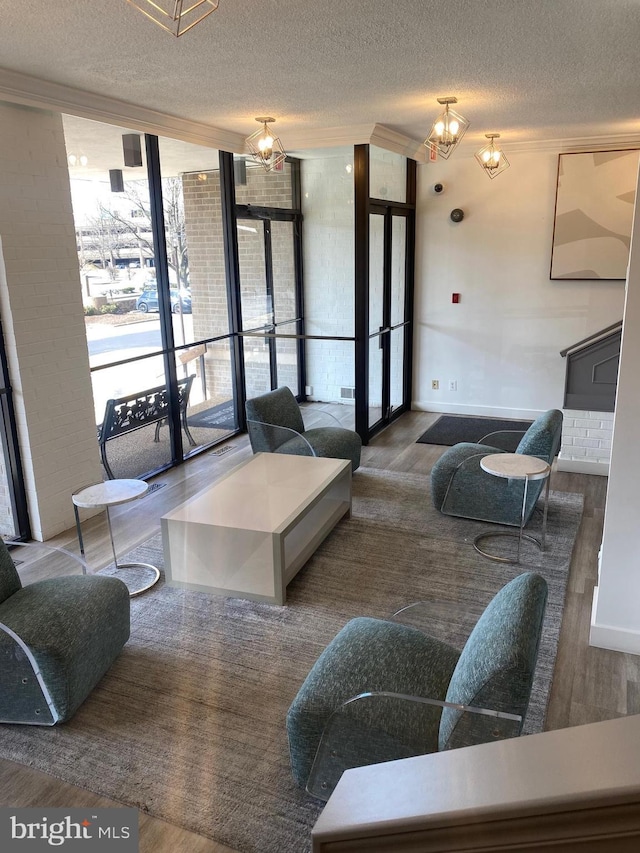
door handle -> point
(382, 330)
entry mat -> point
(452, 429)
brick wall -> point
(41, 306)
(586, 441)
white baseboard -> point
(583, 466)
(473, 409)
(607, 637)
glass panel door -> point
(269, 303)
(398, 262)
(387, 313)
(256, 302)
(285, 304)
(376, 315)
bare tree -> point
(137, 226)
(101, 236)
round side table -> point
(108, 494)
(516, 466)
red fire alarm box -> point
(455, 298)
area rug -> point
(451, 429)
(222, 416)
(188, 724)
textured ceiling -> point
(530, 69)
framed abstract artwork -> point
(594, 212)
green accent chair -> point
(382, 690)
(460, 487)
(58, 637)
(275, 425)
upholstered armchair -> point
(58, 637)
(460, 487)
(382, 690)
(275, 425)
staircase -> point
(592, 371)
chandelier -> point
(491, 157)
(176, 16)
(447, 130)
(266, 148)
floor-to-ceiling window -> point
(201, 329)
(14, 518)
(329, 281)
(155, 301)
(268, 221)
(192, 276)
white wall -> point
(615, 620)
(501, 342)
(41, 305)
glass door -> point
(388, 313)
(377, 306)
(269, 302)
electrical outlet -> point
(453, 385)
(435, 384)
(308, 389)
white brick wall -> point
(586, 437)
(41, 307)
(327, 205)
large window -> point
(151, 322)
(14, 519)
(191, 265)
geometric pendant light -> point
(176, 16)
(447, 130)
(266, 149)
(491, 157)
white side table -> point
(108, 494)
(516, 466)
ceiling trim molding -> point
(355, 134)
(573, 145)
(610, 142)
(384, 137)
(327, 137)
(30, 91)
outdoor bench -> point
(134, 411)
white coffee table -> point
(249, 533)
(108, 494)
(516, 466)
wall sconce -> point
(266, 148)
(491, 157)
(77, 160)
(447, 130)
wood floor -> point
(589, 684)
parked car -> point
(148, 299)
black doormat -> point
(452, 429)
(221, 416)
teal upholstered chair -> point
(275, 425)
(58, 637)
(411, 682)
(460, 487)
